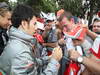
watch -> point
(80, 59)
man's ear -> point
(24, 24)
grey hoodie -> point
(19, 59)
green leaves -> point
(74, 6)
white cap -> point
(51, 16)
(43, 15)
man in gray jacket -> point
(19, 57)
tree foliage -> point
(3, 0)
(41, 5)
(74, 6)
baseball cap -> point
(3, 5)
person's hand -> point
(84, 26)
(57, 53)
(44, 44)
(73, 54)
(62, 41)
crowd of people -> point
(47, 44)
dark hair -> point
(3, 11)
(20, 13)
(69, 16)
(66, 14)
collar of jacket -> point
(2, 30)
(15, 33)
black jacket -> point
(3, 39)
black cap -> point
(96, 19)
(3, 5)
